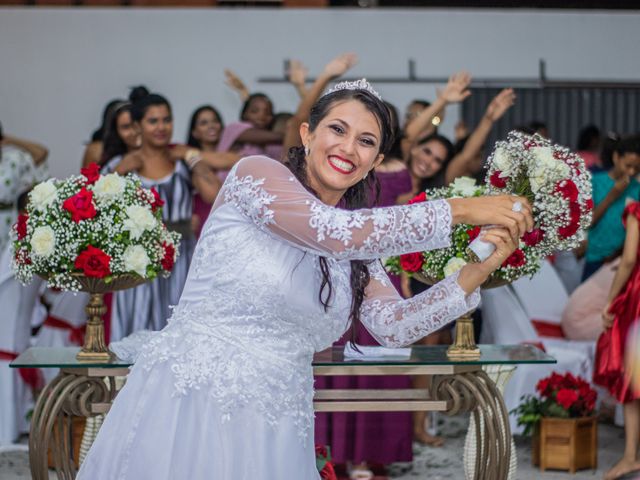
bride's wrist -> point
(458, 210)
(471, 276)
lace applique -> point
(378, 273)
(248, 195)
(394, 230)
(404, 321)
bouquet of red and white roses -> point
(95, 225)
(552, 178)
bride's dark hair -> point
(357, 196)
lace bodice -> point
(250, 319)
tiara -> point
(361, 84)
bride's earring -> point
(365, 176)
(306, 150)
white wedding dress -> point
(225, 391)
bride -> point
(225, 391)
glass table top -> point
(437, 355)
(60, 357)
(65, 357)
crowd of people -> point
(136, 136)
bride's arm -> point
(269, 195)
(395, 322)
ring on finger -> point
(517, 206)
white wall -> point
(58, 67)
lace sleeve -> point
(267, 193)
(396, 322)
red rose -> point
(566, 397)
(473, 233)
(496, 180)
(421, 197)
(569, 230)
(21, 225)
(80, 205)
(93, 262)
(328, 473)
(588, 205)
(534, 237)
(169, 256)
(574, 212)
(516, 259)
(157, 201)
(412, 262)
(22, 257)
(91, 172)
(567, 189)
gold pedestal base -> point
(464, 346)
(101, 357)
(95, 348)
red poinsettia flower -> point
(516, 259)
(542, 386)
(91, 172)
(421, 197)
(80, 205)
(534, 237)
(93, 262)
(496, 180)
(473, 233)
(157, 201)
(566, 397)
(568, 189)
(21, 225)
(168, 259)
(412, 262)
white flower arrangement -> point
(552, 178)
(93, 225)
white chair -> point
(18, 304)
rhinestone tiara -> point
(361, 84)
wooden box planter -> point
(566, 444)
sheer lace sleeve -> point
(396, 322)
(267, 193)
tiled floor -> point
(429, 463)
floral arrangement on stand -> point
(324, 464)
(560, 396)
(93, 225)
(553, 179)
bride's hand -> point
(494, 210)
(474, 274)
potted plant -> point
(561, 419)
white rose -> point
(136, 260)
(465, 186)
(43, 241)
(546, 168)
(453, 265)
(139, 219)
(43, 195)
(503, 162)
(109, 187)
